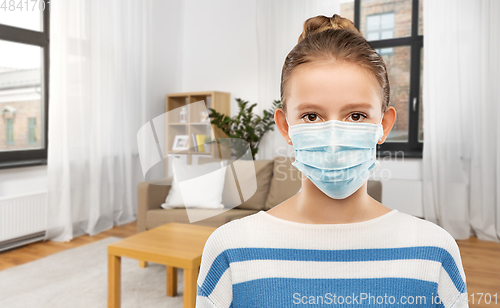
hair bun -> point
(321, 23)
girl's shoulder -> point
(421, 232)
(234, 232)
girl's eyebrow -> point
(356, 105)
(308, 106)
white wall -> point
(401, 184)
(166, 71)
(22, 181)
(220, 48)
(204, 45)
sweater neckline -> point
(308, 225)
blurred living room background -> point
(79, 79)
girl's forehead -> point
(333, 84)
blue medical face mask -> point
(337, 156)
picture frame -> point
(181, 143)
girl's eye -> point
(310, 117)
(356, 117)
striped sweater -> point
(394, 260)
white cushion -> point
(196, 186)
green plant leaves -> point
(246, 125)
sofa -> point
(277, 180)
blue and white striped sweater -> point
(395, 260)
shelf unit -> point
(220, 101)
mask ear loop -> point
(289, 141)
(377, 163)
(382, 127)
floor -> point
(481, 260)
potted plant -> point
(246, 125)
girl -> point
(331, 243)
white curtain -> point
(279, 25)
(98, 59)
(461, 98)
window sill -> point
(24, 163)
(398, 154)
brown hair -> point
(334, 38)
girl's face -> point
(324, 91)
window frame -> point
(413, 148)
(31, 157)
(379, 31)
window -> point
(394, 29)
(380, 27)
(24, 82)
(9, 129)
(32, 131)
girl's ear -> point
(388, 122)
(282, 124)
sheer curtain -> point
(279, 24)
(461, 97)
(99, 54)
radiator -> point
(22, 219)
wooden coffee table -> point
(175, 245)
